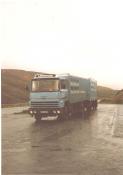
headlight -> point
(30, 112)
(58, 111)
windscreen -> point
(45, 85)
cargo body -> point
(61, 95)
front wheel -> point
(65, 115)
(37, 117)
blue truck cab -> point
(61, 95)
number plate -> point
(44, 112)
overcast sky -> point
(81, 37)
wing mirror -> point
(27, 87)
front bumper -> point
(46, 111)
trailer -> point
(62, 95)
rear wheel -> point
(82, 110)
(66, 113)
(85, 111)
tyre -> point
(64, 115)
(82, 110)
(37, 118)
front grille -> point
(45, 104)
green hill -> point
(14, 82)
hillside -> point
(14, 82)
(105, 92)
(118, 98)
(13, 86)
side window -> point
(74, 86)
(63, 84)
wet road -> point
(77, 146)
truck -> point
(62, 95)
